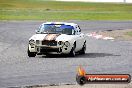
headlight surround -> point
(61, 43)
(31, 42)
(67, 44)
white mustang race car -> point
(57, 38)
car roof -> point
(65, 23)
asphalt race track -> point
(102, 56)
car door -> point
(79, 39)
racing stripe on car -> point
(51, 36)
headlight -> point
(31, 42)
(67, 44)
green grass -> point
(129, 33)
(51, 10)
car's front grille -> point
(49, 43)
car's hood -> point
(57, 37)
(38, 37)
(64, 37)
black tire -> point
(81, 80)
(31, 54)
(72, 52)
(82, 51)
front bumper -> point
(50, 49)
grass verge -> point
(129, 33)
(123, 35)
(51, 10)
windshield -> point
(56, 28)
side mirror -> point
(36, 31)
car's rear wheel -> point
(83, 50)
(72, 52)
(31, 54)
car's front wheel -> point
(72, 52)
(83, 50)
(31, 54)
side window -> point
(79, 29)
(76, 30)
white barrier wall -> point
(127, 1)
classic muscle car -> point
(57, 38)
